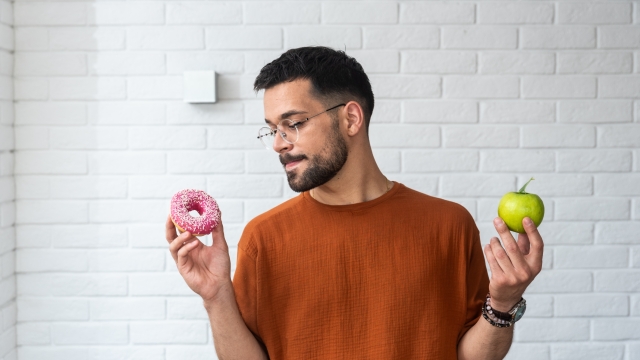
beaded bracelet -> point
(488, 314)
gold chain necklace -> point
(389, 186)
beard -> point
(321, 168)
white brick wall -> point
(472, 99)
(8, 307)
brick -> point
(6, 13)
(409, 136)
(479, 37)
(617, 184)
(8, 265)
(126, 13)
(524, 351)
(6, 37)
(594, 161)
(263, 162)
(162, 284)
(480, 136)
(619, 136)
(6, 164)
(562, 281)
(29, 89)
(558, 136)
(587, 350)
(127, 309)
(31, 39)
(256, 60)
(167, 138)
(50, 113)
(126, 113)
(221, 62)
(617, 232)
(522, 12)
(619, 86)
(42, 13)
(352, 12)
(190, 308)
(594, 13)
(522, 62)
(544, 330)
(165, 38)
(596, 209)
(90, 352)
(594, 257)
(517, 161)
(595, 111)
(46, 284)
(33, 334)
(86, 38)
(88, 187)
(616, 329)
(6, 138)
(7, 289)
(545, 87)
(424, 184)
(558, 37)
(7, 189)
(438, 62)
(436, 12)
(338, 37)
(87, 88)
(51, 260)
(617, 281)
(548, 185)
(7, 111)
(7, 239)
(406, 86)
(241, 38)
(475, 185)
(47, 64)
(33, 309)
(121, 211)
(399, 37)
(90, 334)
(86, 138)
(150, 187)
(145, 236)
(234, 137)
(440, 111)
(281, 12)
(461, 87)
(387, 160)
(50, 162)
(618, 37)
(205, 162)
(244, 186)
(6, 63)
(126, 63)
(47, 212)
(28, 138)
(127, 163)
(126, 260)
(7, 214)
(567, 233)
(75, 236)
(6, 90)
(440, 161)
(169, 332)
(377, 61)
(595, 63)
(233, 87)
(517, 111)
(155, 88)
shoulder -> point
(434, 206)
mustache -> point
(287, 158)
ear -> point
(354, 118)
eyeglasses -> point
(287, 128)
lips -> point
(289, 161)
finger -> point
(496, 270)
(509, 243)
(178, 243)
(217, 236)
(170, 230)
(183, 253)
(524, 244)
(501, 255)
(534, 259)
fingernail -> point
(497, 221)
(528, 221)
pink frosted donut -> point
(191, 199)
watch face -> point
(520, 312)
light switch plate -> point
(200, 87)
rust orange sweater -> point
(399, 277)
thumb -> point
(217, 236)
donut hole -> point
(194, 213)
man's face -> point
(320, 151)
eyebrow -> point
(287, 115)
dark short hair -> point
(334, 76)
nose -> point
(279, 145)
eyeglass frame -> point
(295, 125)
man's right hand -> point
(205, 269)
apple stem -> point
(521, 191)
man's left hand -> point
(515, 266)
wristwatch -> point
(503, 319)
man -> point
(356, 266)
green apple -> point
(515, 206)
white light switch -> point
(200, 86)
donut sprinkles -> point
(188, 200)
